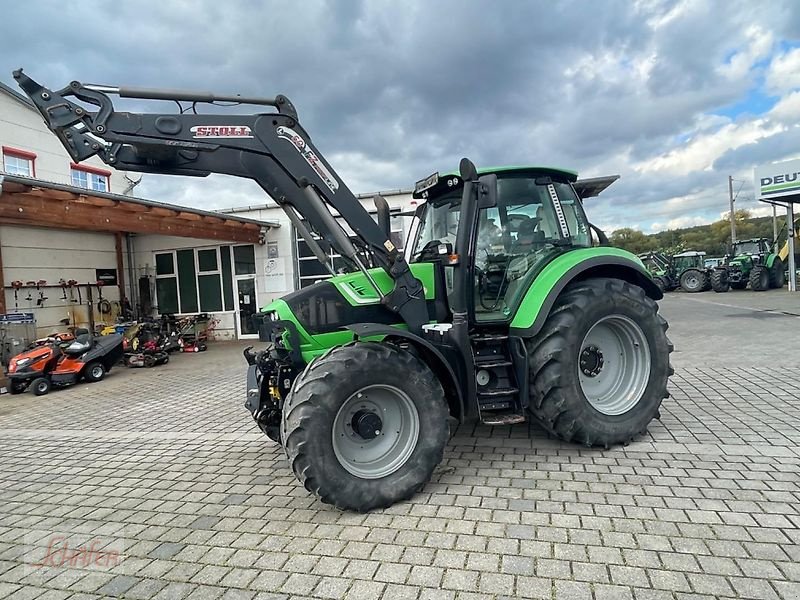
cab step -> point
(497, 392)
(489, 337)
(503, 419)
(491, 363)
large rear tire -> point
(365, 425)
(693, 281)
(600, 364)
(719, 280)
(759, 278)
(777, 274)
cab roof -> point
(569, 174)
(453, 178)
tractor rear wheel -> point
(693, 281)
(719, 280)
(600, 364)
(759, 278)
(365, 425)
(777, 276)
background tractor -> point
(500, 309)
(750, 262)
(691, 272)
(661, 269)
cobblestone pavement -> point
(167, 464)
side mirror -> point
(487, 191)
(468, 170)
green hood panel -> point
(358, 291)
(537, 300)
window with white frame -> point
(200, 279)
(90, 179)
(19, 162)
(309, 269)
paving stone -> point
(705, 506)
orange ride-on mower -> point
(86, 357)
(36, 362)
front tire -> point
(40, 386)
(365, 425)
(777, 275)
(719, 281)
(693, 281)
(16, 387)
(600, 364)
(759, 278)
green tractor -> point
(661, 269)
(691, 272)
(501, 308)
(750, 262)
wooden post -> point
(2, 283)
(120, 268)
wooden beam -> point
(2, 283)
(27, 209)
(120, 267)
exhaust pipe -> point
(384, 220)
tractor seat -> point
(82, 343)
(528, 237)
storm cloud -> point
(673, 96)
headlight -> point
(23, 361)
(273, 316)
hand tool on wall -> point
(17, 285)
(41, 299)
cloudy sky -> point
(672, 95)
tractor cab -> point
(535, 216)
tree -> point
(632, 240)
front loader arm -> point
(272, 149)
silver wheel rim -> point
(97, 371)
(692, 281)
(391, 447)
(614, 365)
(42, 387)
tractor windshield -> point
(749, 247)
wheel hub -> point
(591, 361)
(367, 424)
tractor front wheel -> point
(365, 425)
(759, 278)
(777, 276)
(719, 280)
(693, 281)
(600, 364)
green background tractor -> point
(501, 307)
(662, 270)
(691, 271)
(750, 262)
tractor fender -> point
(536, 304)
(432, 356)
(770, 260)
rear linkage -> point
(272, 149)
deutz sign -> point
(778, 179)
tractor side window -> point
(513, 238)
(573, 214)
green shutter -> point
(187, 281)
(227, 279)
